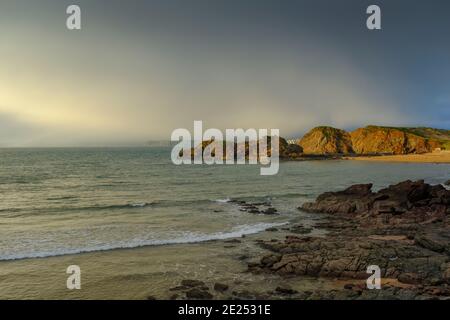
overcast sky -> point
(139, 69)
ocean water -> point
(67, 201)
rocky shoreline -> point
(404, 229)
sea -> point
(66, 201)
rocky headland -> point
(374, 140)
(326, 142)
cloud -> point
(14, 132)
(138, 73)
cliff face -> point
(364, 141)
(379, 140)
(326, 140)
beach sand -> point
(434, 157)
(147, 272)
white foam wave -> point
(184, 238)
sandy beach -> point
(434, 157)
(152, 272)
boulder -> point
(197, 293)
(404, 202)
(192, 283)
(220, 287)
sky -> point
(139, 69)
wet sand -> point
(147, 272)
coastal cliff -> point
(326, 140)
(372, 140)
(386, 140)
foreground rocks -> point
(405, 202)
(404, 229)
(255, 207)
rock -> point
(248, 295)
(404, 229)
(326, 141)
(192, 283)
(447, 183)
(349, 286)
(270, 211)
(289, 151)
(220, 287)
(300, 229)
(270, 259)
(428, 243)
(387, 140)
(233, 241)
(400, 230)
(285, 290)
(272, 229)
(293, 149)
(177, 288)
(446, 272)
(359, 189)
(286, 150)
(196, 293)
(410, 278)
(405, 202)
(151, 298)
(355, 199)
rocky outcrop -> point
(326, 140)
(348, 256)
(405, 202)
(410, 245)
(287, 151)
(385, 140)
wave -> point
(222, 200)
(82, 208)
(158, 203)
(122, 206)
(184, 238)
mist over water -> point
(66, 201)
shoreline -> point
(316, 256)
(148, 272)
(162, 244)
(433, 157)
